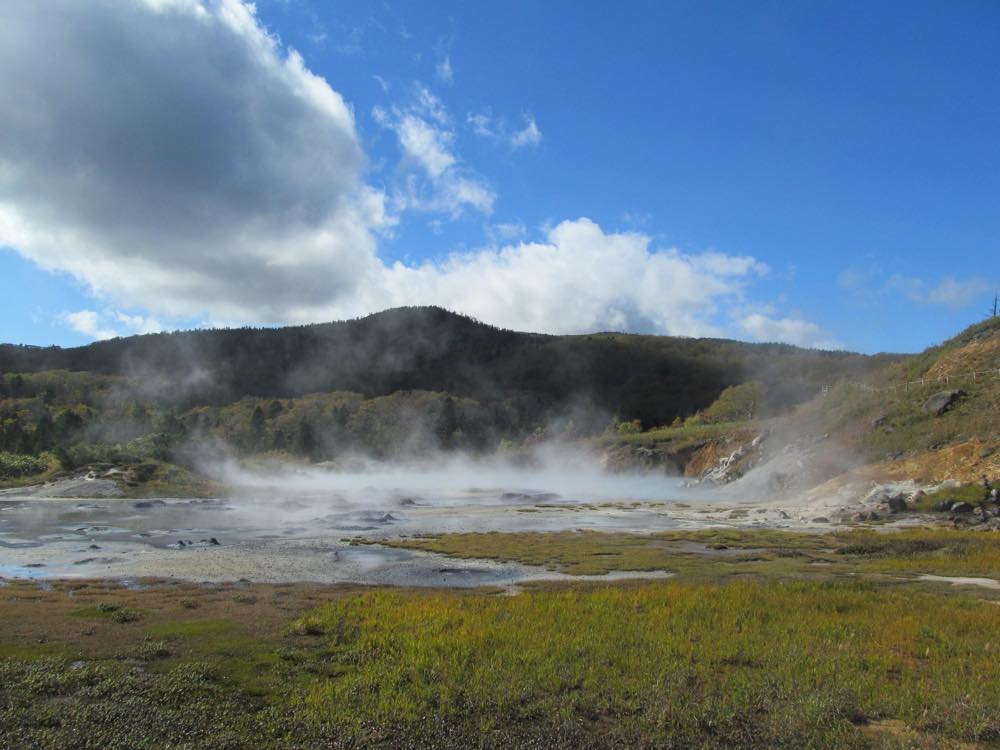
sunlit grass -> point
(687, 432)
(765, 638)
(699, 553)
(746, 663)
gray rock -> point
(942, 401)
(961, 508)
(944, 506)
(143, 504)
(897, 503)
(821, 519)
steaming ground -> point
(296, 524)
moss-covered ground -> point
(762, 639)
(725, 552)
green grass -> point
(718, 553)
(744, 664)
(752, 644)
(109, 611)
(686, 433)
(170, 480)
(590, 553)
(972, 493)
(236, 656)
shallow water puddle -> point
(305, 533)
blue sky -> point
(824, 174)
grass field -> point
(717, 554)
(763, 639)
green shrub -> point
(736, 403)
(629, 428)
(14, 465)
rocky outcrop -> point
(889, 498)
(942, 401)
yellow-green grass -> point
(972, 493)
(711, 553)
(768, 660)
(745, 664)
(687, 432)
(170, 480)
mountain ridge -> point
(650, 378)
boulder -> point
(942, 401)
(896, 503)
(961, 508)
(865, 515)
(821, 519)
(944, 506)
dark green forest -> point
(400, 381)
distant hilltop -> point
(653, 379)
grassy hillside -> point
(897, 417)
(887, 419)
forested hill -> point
(651, 378)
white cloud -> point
(432, 177)
(481, 124)
(760, 327)
(949, 292)
(530, 135)
(505, 231)
(856, 279)
(958, 293)
(170, 155)
(175, 158)
(579, 279)
(88, 323)
(485, 125)
(443, 70)
(425, 144)
(109, 324)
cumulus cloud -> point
(88, 323)
(109, 324)
(432, 178)
(580, 278)
(172, 156)
(760, 327)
